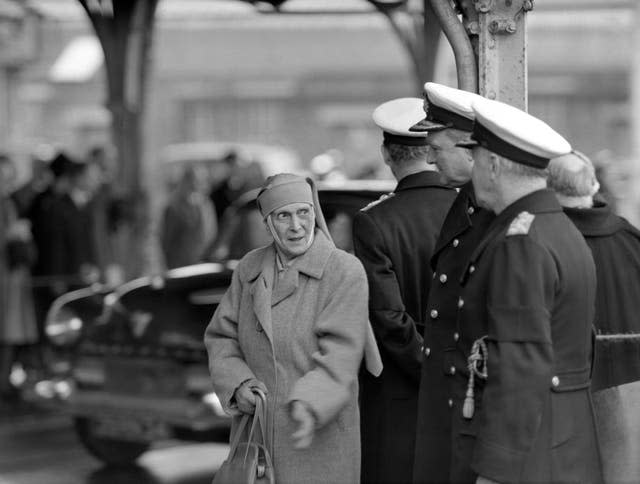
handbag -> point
(249, 461)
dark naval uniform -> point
(527, 305)
(462, 230)
(615, 245)
(395, 239)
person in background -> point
(39, 182)
(394, 238)
(228, 186)
(522, 406)
(188, 224)
(106, 212)
(449, 120)
(293, 324)
(615, 246)
(18, 329)
(60, 220)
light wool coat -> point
(305, 341)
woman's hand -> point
(301, 414)
(245, 396)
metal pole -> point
(631, 211)
(503, 50)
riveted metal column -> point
(631, 210)
(503, 50)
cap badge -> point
(521, 224)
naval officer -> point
(449, 120)
(525, 318)
(395, 238)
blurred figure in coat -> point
(188, 224)
(615, 246)
(18, 330)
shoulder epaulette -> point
(382, 198)
(521, 224)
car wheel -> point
(111, 451)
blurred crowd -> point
(57, 229)
(60, 232)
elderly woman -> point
(293, 324)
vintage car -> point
(129, 365)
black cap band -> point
(397, 139)
(501, 147)
(441, 115)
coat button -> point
(470, 210)
(443, 278)
(456, 336)
(433, 313)
(452, 370)
(456, 242)
(555, 381)
(472, 269)
(427, 351)
(450, 403)
(460, 302)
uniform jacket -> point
(394, 238)
(305, 341)
(530, 288)
(463, 228)
(615, 245)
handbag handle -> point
(259, 417)
(238, 435)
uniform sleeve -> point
(395, 330)
(340, 330)
(520, 295)
(226, 362)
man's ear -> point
(495, 166)
(385, 154)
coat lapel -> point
(285, 287)
(261, 292)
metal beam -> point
(503, 50)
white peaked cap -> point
(516, 135)
(396, 117)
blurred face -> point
(483, 177)
(7, 177)
(453, 162)
(293, 225)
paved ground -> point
(41, 448)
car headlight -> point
(64, 327)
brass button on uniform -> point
(427, 351)
(555, 381)
(472, 269)
(455, 242)
(460, 302)
(470, 210)
(433, 313)
(452, 370)
(443, 278)
(456, 336)
(450, 403)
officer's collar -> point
(595, 221)
(421, 179)
(540, 201)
